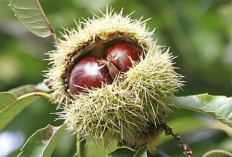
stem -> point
(78, 146)
(47, 22)
(152, 152)
(45, 95)
(168, 131)
(137, 152)
(217, 151)
(151, 149)
(54, 35)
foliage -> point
(218, 107)
(42, 142)
(199, 33)
(30, 13)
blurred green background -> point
(198, 32)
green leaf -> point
(10, 105)
(19, 91)
(91, 149)
(5, 99)
(43, 142)
(125, 152)
(30, 13)
(219, 107)
(23, 90)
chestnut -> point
(121, 54)
(88, 73)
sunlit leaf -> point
(30, 13)
(23, 90)
(29, 89)
(219, 107)
(43, 142)
(11, 106)
(125, 152)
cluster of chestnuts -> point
(112, 80)
(90, 72)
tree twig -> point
(168, 131)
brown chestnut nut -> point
(88, 73)
(120, 54)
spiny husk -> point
(132, 108)
(128, 107)
(73, 41)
